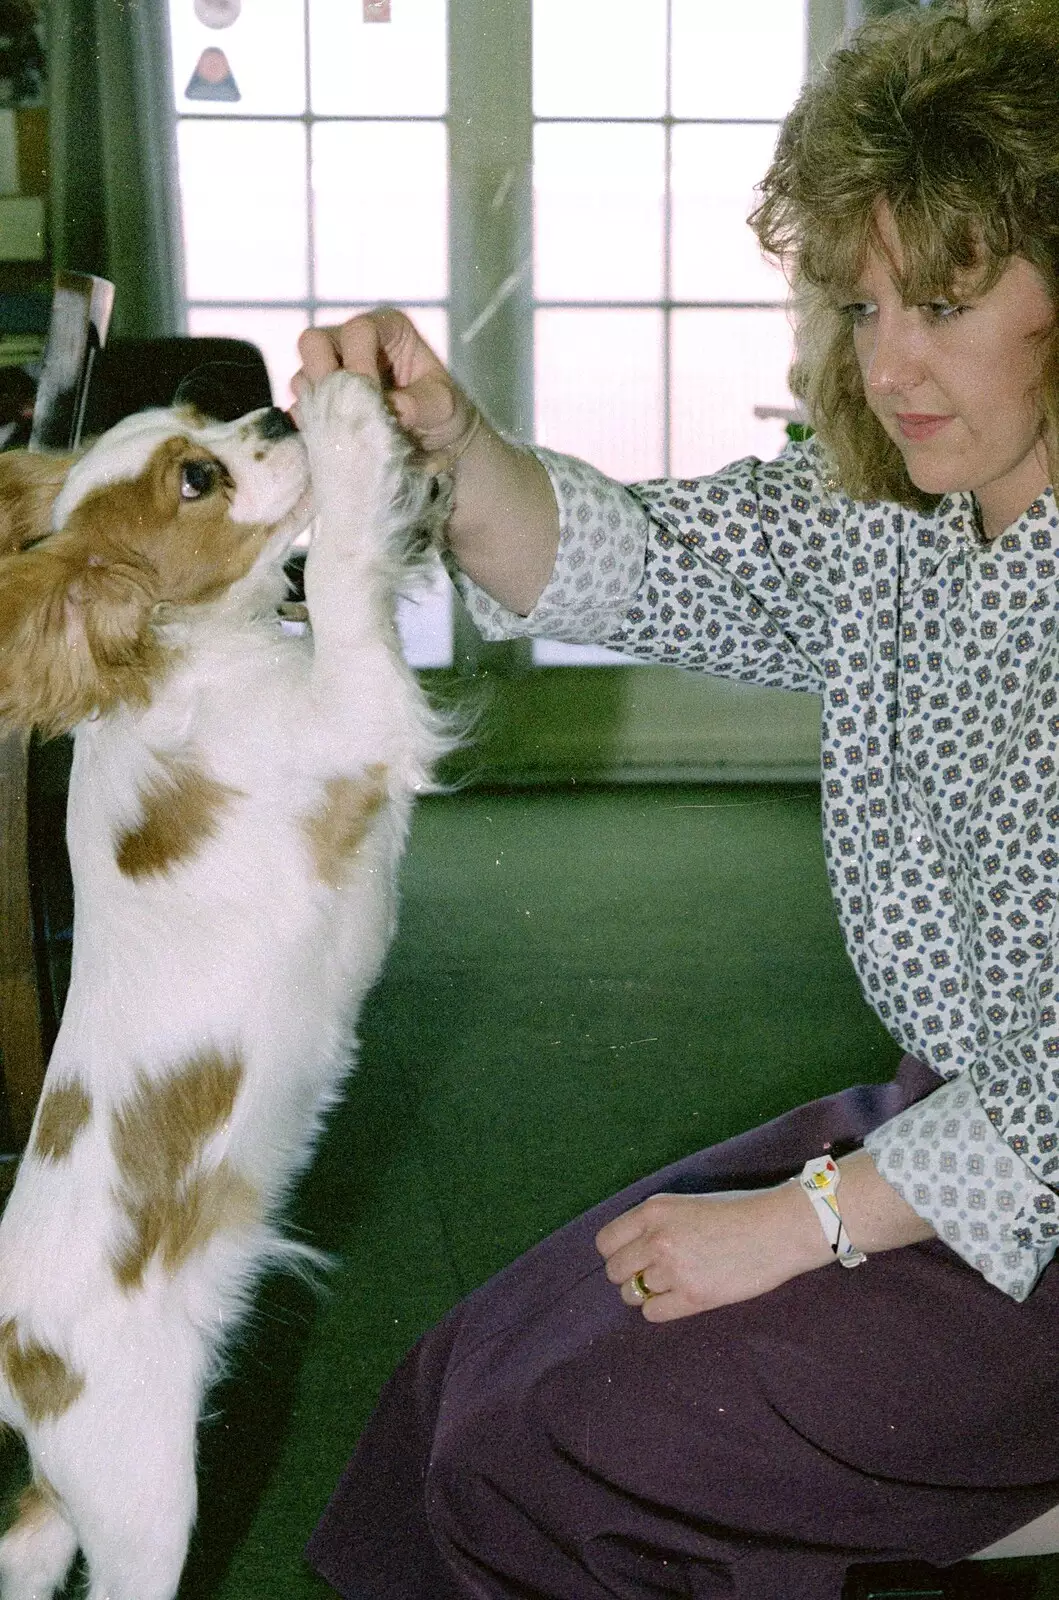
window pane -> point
(598, 212)
(744, 59)
(599, 58)
(396, 68)
(599, 388)
(274, 332)
(715, 254)
(264, 48)
(723, 365)
(243, 191)
(424, 621)
(380, 192)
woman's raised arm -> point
(504, 530)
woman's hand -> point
(700, 1251)
(385, 346)
(504, 528)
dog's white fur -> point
(234, 836)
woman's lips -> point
(915, 425)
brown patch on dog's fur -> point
(64, 1112)
(74, 635)
(158, 1137)
(193, 546)
(75, 612)
(37, 1504)
(338, 829)
(40, 1379)
(181, 809)
(29, 484)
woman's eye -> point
(858, 310)
(944, 310)
(196, 479)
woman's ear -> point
(75, 634)
(29, 483)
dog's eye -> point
(197, 478)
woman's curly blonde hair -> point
(951, 116)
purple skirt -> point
(544, 1440)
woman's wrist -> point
(504, 528)
(874, 1217)
(875, 1214)
(802, 1238)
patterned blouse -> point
(936, 658)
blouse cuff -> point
(597, 572)
(947, 1161)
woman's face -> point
(957, 385)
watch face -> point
(218, 13)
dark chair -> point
(225, 378)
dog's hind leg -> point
(134, 1517)
(38, 1549)
(122, 1462)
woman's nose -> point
(893, 361)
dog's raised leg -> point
(366, 500)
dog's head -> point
(167, 510)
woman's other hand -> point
(700, 1251)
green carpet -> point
(584, 986)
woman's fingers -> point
(385, 347)
(620, 1232)
(430, 408)
(318, 348)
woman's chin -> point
(932, 477)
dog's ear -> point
(75, 635)
(29, 483)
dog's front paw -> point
(351, 439)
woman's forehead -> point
(920, 261)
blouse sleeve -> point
(948, 1161)
(731, 574)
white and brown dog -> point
(238, 806)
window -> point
(312, 143)
(660, 333)
(322, 167)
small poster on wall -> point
(218, 13)
(213, 78)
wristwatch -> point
(820, 1178)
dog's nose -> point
(275, 424)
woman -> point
(672, 1396)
